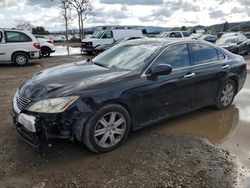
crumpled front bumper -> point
(48, 126)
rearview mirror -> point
(161, 69)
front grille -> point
(87, 44)
(22, 102)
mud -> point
(169, 154)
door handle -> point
(189, 75)
(225, 66)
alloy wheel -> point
(110, 129)
(227, 94)
(21, 60)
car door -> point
(2, 46)
(209, 68)
(166, 95)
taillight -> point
(50, 41)
(37, 45)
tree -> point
(39, 31)
(23, 25)
(65, 6)
(83, 9)
(183, 28)
(225, 26)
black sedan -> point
(235, 42)
(103, 47)
(130, 86)
(209, 38)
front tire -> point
(226, 95)
(107, 129)
(20, 59)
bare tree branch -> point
(83, 9)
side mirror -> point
(161, 69)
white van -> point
(109, 36)
(18, 46)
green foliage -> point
(39, 30)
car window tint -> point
(108, 34)
(178, 35)
(203, 53)
(13, 36)
(177, 56)
(185, 34)
(221, 56)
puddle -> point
(229, 128)
(62, 50)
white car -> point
(107, 36)
(18, 46)
(173, 34)
(47, 45)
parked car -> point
(247, 34)
(209, 38)
(173, 34)
(196, 35)
(102, 48)
(47, 45)
(18, 46)
(107, 36)
(219, 34)
(235, 42)
(132, 85)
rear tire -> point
(226, 95)
(45, 52)
(107, 129)
(20, 59)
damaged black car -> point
(132, 85)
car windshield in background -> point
(229, 40)
(125, 56)
(97, 34)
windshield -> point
(230, 40)
(97, 34)
(125, 56)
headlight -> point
(55, 105)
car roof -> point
(161, 41)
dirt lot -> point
(145, 160)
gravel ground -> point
(145, 160)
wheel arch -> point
(19, 51)
(124, 105)
(235, 80)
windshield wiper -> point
(96, 63)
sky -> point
(164, 13)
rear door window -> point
(185, 34)
(14, 36)
(203, 53)
(177, 56)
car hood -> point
(68, 79)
